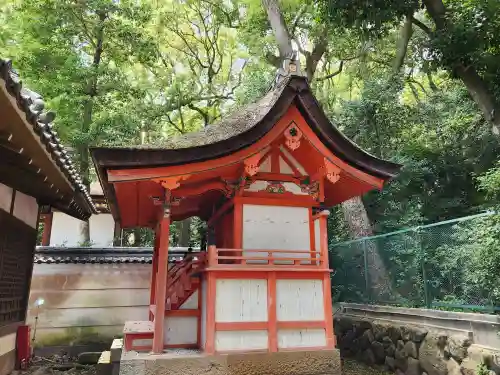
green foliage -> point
(372, 17)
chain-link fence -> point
(444, 265)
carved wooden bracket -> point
(293, 136)
(252, 164)
(330, 171)
(171, 183)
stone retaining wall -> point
(411, 350)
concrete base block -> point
(298, 362)
(104, 366)
(116, 350)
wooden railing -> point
(268, 257)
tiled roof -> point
(92, 255)
(33, 105)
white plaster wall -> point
(203, 312)
(99, 297)
(284, 168)
(66, 230)
(275, 227)
(26, 209)
(7, 343)
(240, 340)
(181, 330)
(5, 197)
(301, 338)
(102, 228)
(265, 166)
(241, 300)
(299, 300)
(191, 303)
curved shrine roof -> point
(242, 128)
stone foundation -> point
(411, 350)
(194, 363)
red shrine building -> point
(261, 178)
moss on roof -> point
(232, 125)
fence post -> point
(422, 263)
(367, 283)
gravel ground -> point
(65, 366)
(355, 368)
(57, 365)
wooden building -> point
(35, 172)
(262, 179)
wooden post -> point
(210, 318)
(47, 229)
(323, 238)
(327, 287)
(272, 330)
(154, 270)
(161, 282)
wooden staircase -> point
(183, 281)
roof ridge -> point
(32, 104)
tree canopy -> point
(412, 81)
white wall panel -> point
(265, 166)
(284, 168)
(241, 300)
(275, 227)
(65, 230)
(26, 209)
(299, 300)
(181, 330)
(240, 340)
(191, 303)
(301, 338)
(102, 229)
(5, 197)
(7, 343)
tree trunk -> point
(404, 40)
(359, 226)
(185, 233)
(476, 86)
(83, 149)
(279, 27)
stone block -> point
(282, 363)
(394, 333)
(89, 358)
(431, 356)
(368, 357)
(400, 345)
(401, 363)
(379, 351)
(390, 363)
(418, 334)
(366, 339)
(104, 365)
(379, 331)
(405, 333)
(411, 349)
(413, 367)
(116, 350)
(391, 350)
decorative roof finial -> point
(290, 67)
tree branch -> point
(341, 66)
(421, 25)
